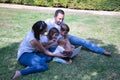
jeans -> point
(35, 63)
(52, 48)
(85, 43)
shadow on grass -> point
(8, 61)
(98, 67)
(90, 67)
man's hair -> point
(59, 11)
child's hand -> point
(67, 51)
(60, 55)
(53, 40)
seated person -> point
(61, 50)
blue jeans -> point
(85, 43)
(35, 63)
(52, 48)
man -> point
(57, 21)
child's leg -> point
(59, 60)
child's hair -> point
(61, 41)
(38, 27)
(65, 27)
(51, 32)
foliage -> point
(41, 2)
(110, 5)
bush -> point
(27, 2)
(5, 1)
(16, 1)
(41, 2)
(109, 5)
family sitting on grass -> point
(37, 49)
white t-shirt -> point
(59, 50)
(44, 38)
(25, 45)
(51, 23)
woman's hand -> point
(54, 55)
(60, 55)
(53, 40)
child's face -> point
(55, 35)
(63, 32)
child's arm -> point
(49, 43)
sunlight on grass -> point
(102, 30)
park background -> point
(108, 5)
(102, 28)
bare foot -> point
(16, 75)
(69, 62)
(106, 53)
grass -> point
(100, 29)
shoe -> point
(106, 53)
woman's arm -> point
(52, 44)
(39, 47)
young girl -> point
(50, 40)
(64, 34)
(64, 46)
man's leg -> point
(85, 43)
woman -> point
(27, 54)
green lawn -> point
(102, 30)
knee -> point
(41, 68)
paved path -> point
(51, 9)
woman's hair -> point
(65, 27)
(51, 32)
(59, 11)
(38, 27)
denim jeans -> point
(52, 48)
(35, 63)
(85, 43)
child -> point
(64, 34)
(61, 50)
(50, 39)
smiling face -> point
(55, 35)
(64, 30)
(59, 18)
